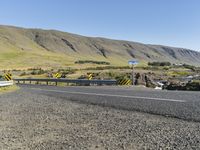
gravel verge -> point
(30, 121)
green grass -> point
(20, 49)
(178, 73)
(196, 81)
(8, 89)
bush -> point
(92, 62)
(23, 74)
(189, 67)
(178, 73)
(107, 67)
(67, 71)
(191, 86)
(38, 72)
(123, 76)
(109, 75)
(159, 64)
(166, 68)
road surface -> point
(49, 117)
(178, 104)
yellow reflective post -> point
(8, 76)
(57, 75)
(90, 76)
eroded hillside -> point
(22, 48)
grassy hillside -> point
(27, 48)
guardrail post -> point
(47, 83)
(56, 83)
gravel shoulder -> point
(30, 121)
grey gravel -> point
(31, 121)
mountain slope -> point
(23, 48)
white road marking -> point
(112, 95)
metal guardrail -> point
(75, 81)
(6, 83)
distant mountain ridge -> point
(20, 47)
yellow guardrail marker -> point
(124, 82)
(90, 76)
(57, 75)
(8, 76)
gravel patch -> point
(30, 121)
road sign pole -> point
(133, 62)
(132, 74)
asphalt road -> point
(177, 104)
(98, 118)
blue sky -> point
(167, 22)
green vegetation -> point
(114, 75)
(67, 71)
(196, 81)
(178, 73)
(38, 72)
(193, 68)
(39, 53)
(34, 71)
(123, 76)
(107, 67)
(21, 49)
(92, 62)
(159, 64)
(191, 86)
(8, 89)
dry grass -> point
(8, 89)
(23, 48)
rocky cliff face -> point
(76, 47)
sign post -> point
(133, 62)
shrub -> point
(159, 64)
(92, 62)
(38, 72)
(193, 86)
(193, 68)
(23, 74)
(67, 71)
(178, 73)
(107, 67)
